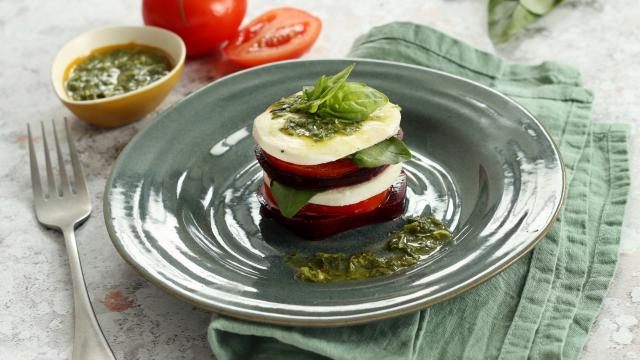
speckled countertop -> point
(600, 37)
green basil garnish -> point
(325, 87)
(290, 200)
(332, 106)
(334, 97)
(353, 101)
(508, 17)
(390, 151)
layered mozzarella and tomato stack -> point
(332, 158)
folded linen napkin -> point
(543, 306)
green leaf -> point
(353, 101)
(325, 87)
(290, 200)
(509, 17)
(334, 97)
(539, 7)
(390, 151)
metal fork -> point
(62, 207)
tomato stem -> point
(183, 13)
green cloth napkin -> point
(543, 306)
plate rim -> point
(318, 320)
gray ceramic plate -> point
(181, 208)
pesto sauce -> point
(313, 126)
(116, 71)
(419, 237)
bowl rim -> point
(179, 63)
(265, 317)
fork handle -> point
(88, 339)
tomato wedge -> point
(335, 168)
(361, 207)
(278, 34)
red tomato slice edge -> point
(361, 207)
(334, 168)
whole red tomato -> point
(203, 24)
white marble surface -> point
(601, 38)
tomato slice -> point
(361, 207)
(278, 34)
(335, 168)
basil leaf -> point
(539, 7)
(390, 151)
(508, 17)
(353, 101)
(334, 97)
(290, 200)
(325, 87)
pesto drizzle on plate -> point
(116, 70)
(420, 236)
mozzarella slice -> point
(352, 194)
(381, 124)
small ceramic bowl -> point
(120, 109)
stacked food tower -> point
(332, 158)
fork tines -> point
(65, 186)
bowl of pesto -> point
(116, 75)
